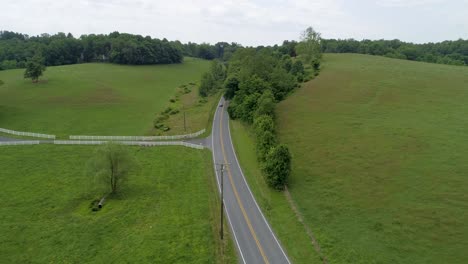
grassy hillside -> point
(167, 213)
(93, 98)
(379, 159)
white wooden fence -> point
(27, 134)
(139, 138)
(132, 143)
(23, 142)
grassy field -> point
(168, 212)
(93, 98)
(379, 159)
(274, 204)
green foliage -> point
(277, 167)
(60, 49)
(264, 143)
(34, 68)
(167, 110)
(221, 50)
(207, 84)
(253, 84)
(264, 130)
(262, 124)
(213, 80)
(218, 70)
(111, 165)
(446, 52)
(232, 85)
(244, 103)
(297, 68)
(256, 80)
(8, 64)
(309, 48)
(243, 107)
(287, 63)
(1, 82)
(265, 105)
(282, 83)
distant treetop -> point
(446, 52)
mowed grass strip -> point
(379, 152)
(168, 212)
(93, 98)
(274, 204)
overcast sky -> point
(249, 22)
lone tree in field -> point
(34, 68)
(111, 165)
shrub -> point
(173, 112)
(158, 125)
(265, 104)
(167, 110)
(263, 123)
(300, 77)
(159, 119)
(277, 167)
(172, 100)
(264, 142)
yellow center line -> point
(252, 231)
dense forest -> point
(61, 48)
(121, 48)
(446, 52)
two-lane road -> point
(256, 242)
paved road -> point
(256, 242)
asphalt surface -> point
(256, 242)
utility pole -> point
(221, 232)
(222, 200)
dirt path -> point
(308, 230)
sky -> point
(248, 22)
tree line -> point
(446, 52)
(60, 49)
(221, 50)
(254, 80)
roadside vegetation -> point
(93, 98)
(186, 112)
(167, 212)
(378, 150)
(256, 80)
(275, 206)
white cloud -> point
(250, 22)
(408, 3)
